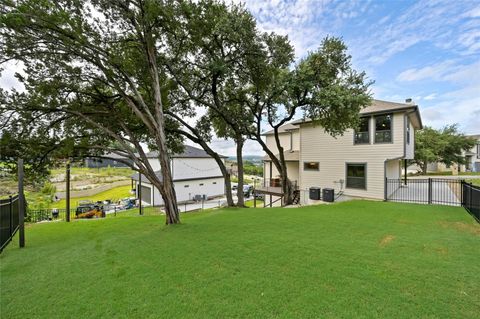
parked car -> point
(259, 196)
(247, 190)
(127, 203)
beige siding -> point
(287, 142)
(334, 153)
(409, 148)
(392, 171)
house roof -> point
(188, 152)
(381, 107)
(289, 156)
(144, 178)
(475, 136)
(283, 129)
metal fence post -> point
(67, 208)
(21, 205)
(11, 214)
(429, 190)
(385, 191)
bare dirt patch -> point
(386, 240)
(473, 229)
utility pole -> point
(21, 204)
(67, 212)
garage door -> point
(146, 194)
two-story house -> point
(356, 163)
(195, 175)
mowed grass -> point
(114, 194)
(357, 259)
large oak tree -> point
(93, 67)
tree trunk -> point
(169, 196)
(286, 183)
(424, 168)
(240, 197)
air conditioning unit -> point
(328, 195)
(315, 193)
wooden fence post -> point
(67, 210)
(21, 204)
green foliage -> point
(357, 259)
(48, 189)
(252, 169)
(444, 145)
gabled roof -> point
(289, 156)
(283, 129)
(383, 107)
(475, 136)
(188, 152)
(144, 178)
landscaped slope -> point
(355, 259)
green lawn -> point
(450, 173)
(249, 203)
(356, 259)
(474, 181)
(113, 194)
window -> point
(362, 134)
(201, 184)
(311, 166)
(186, 186)
(383, 128)
(214, 183)
(408, 131)
(478, 150)
(357, 176)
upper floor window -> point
(478, 150)
(408, 131)
(362, 134)
(311, 166)
(383, 128)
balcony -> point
(273, 186)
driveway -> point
(444, 176)
(417, 191)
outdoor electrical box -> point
(315, 193)
(328, 195)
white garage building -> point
(195, 174)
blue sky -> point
(425, 50)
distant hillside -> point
(257, 159)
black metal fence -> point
(471, 199)
(40, 215)
(9, 220)
(439, 191)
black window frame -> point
(408, 131)
(355, 132)
(311, 169)
(383, 131)
(478, 150)
(365, 167)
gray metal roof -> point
(188, 152)
(144, 178)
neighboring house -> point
(94, 162)
(195, 175)
(472, 158)
(356, 162)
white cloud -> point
(444, 24)
(430, 97)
